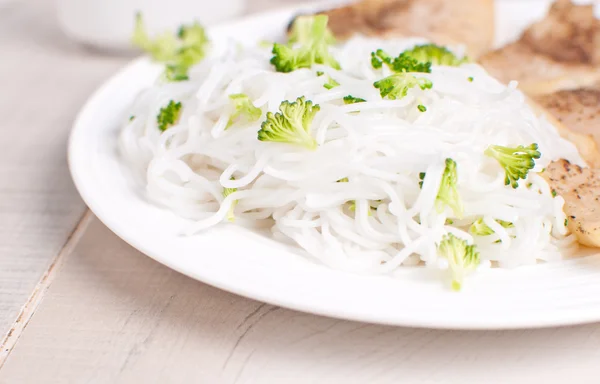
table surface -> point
(78, 305)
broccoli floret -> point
(422, 179)
(193, 45)
(168, 115)
(353, 100)
(448, 192)
(163, 48)
(462, 258)
(379, 57)
(435, 55)
(480, 228)
(313, 38)
(405, 63)
(470, 78)
(243, 107)
(179, 52)
(517, 162)
(287, 59)
(331, 83)
(402, 63)
(176, 73)
(291, 124)
(396, 86)
(227, 192)
(304, 29)
(422, 108)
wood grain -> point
(113, 315)
(44, 81)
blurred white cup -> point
(109, 23)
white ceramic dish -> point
(251, 265)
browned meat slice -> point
(561, 51)
(578, 109)
(469, 22)
(570, 33)
(536, 73)
(580, 187)
(575, 121)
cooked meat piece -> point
(578, 110)
(562, 110)
(469, 22)
(580, 187)
(560, 52)
(537, 73)
(570, 33)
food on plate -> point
(469, 22)
(579, 187)
(557, 108)
(370, 155)
(578, 109)
(178, 51)
(562, 51)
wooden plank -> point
(113, 315)
(45, 79)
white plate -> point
(248, 264)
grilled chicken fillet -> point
(580, 187)
(562, 51)
(469, 22)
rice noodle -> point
(380, 219)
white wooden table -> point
(78, 305)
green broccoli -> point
(243, 107)
(193, 44)
(435, 55)
(422, 108)
(379, 57)
(313, 38)
(162, 49)
(168, 115)
(227, 192)
(517, 162)
(331, 83)
(305, 28)
(480, 228)
(402, 63)
(397, 85)
(179, 52)
(175, 72)
(422, 179)
(291, 124)
(353, 100)
(405, 63)
(462, 258)
(448, 192)
(287, 59)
